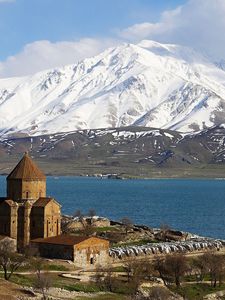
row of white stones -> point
(166, 248)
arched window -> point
(27, 194)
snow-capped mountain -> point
(148, 84)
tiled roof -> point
(69, 240)
(26, 169)
(43, 201)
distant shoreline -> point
(132, 178)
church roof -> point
(69, 240)
(43, 201)
(26, 169)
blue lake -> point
(196, 206)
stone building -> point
(28, 217)
(83, 251)
(26, 213)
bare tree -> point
(147, 270)
(65, 227)
(88, 230)
(128, 267)
(9, 260)
(78, 214)
(43, 281)
(91, 213)
(137, 276)
(136, 272)
(127, 223)
(172, 268)
(199, 267)
(37, 264)
(176, 266)
(109, 279)
(160, 267)
(215, 267)
(164, 228)
(98, 277)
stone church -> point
(26, 213)
(31, 218)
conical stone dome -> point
(26, 181)
(26, 169)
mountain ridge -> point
(127, 151)
(148, 84)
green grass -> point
(23, 280)
(119, 269)
(71, 285)
(134, 243)
(197, 291)
(52, 267)
(81, 287)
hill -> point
(127, 151)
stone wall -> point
(37, 222)
(25, 189)
(52, 217)
(54, 251)
(5, 216)
(91, 253)
(76, 223)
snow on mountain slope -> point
(148, 84)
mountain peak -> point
(148, 84)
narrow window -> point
(27, 195)
(92, 261)
(57, 227)
(47, 228)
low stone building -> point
(85, 252)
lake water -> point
(196, 206)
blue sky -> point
(41, 34)
(26, 21)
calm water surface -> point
(196, 206)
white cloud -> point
(199, 24)
(42, 55)
(141, 31)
